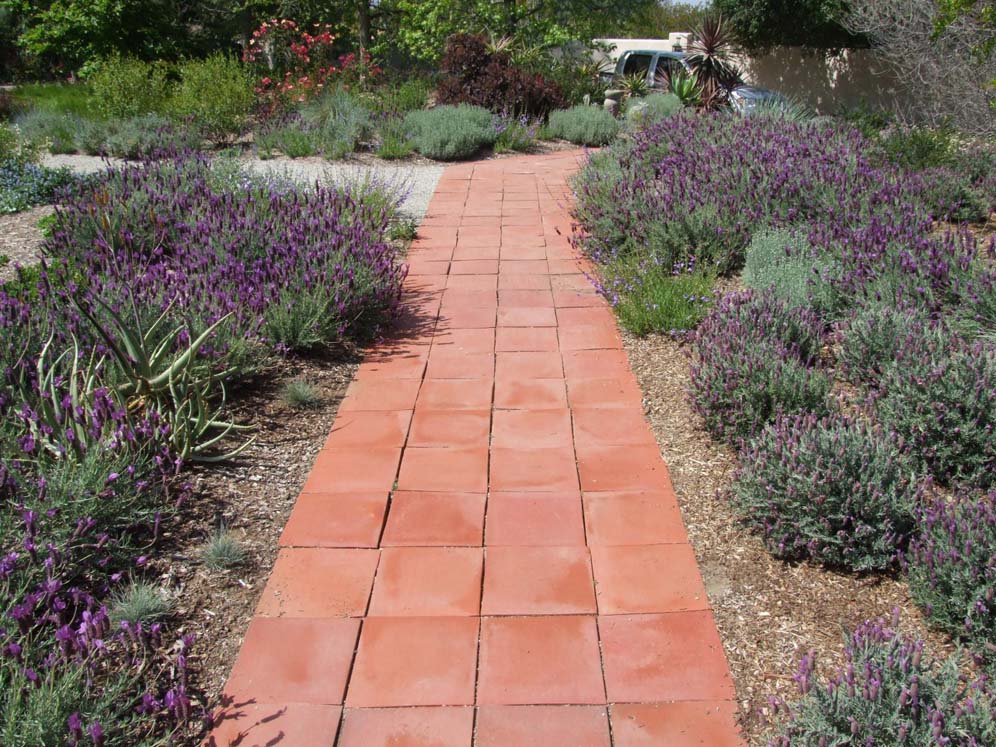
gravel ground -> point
(20, 238)
(416, 181)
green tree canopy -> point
(762, 24)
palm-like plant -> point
(710, 57)
(633, 85)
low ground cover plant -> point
(163, 282)
(892, 692)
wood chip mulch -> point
(769, 612)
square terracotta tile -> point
(356, 469)
(464, 341)
(526, 429)
(526, 339)
(597, 364)
(647, 579)
(514, 316)
(542, 726)
(605, 393)
(458, 365)
(633, 518)
(529, 365)
(450, 428)
(250, 724)
(524, 282)
(467, 318)
(590, 337)
(434, 519)
(524, 267)
(530, 394)
(545, 470)
(473, 282)
(456, 394)
(428, 582)
(372, 394)
(286, 660)
(400, 367)
(542, 519)
(538, 581)
(511, 251)
(458, 470)
(585, 315)
(408, 727)
(463, 253)
(475, 267)
(611, 426)
(657, 658)
(319, 582)
(525, 298)
(374, 428)
(539, 661)
(576, 299)
(621, 468)
(468, 298)
(575, 281)
(683, 724)
(412, 661)
(335, 520)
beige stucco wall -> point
(824, 81)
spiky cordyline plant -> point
(710, 57)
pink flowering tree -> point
(294, 64)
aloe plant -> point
(163, 374)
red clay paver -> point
(488, 551)
(542, 726)
(407, 727)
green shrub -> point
(394, 141)
(651, 108)
(888, 692)
(216, 94)
(919, 148)
(8, 142)
(339, 122)
(92, 135)
(952, 569)
(939, 397)
(292, 140)
(127, 87)
(665, 300)
(408, 96)
(53, 131)
(584, 125)
(447, 133)
(753, 360)
(871, 340)
(835, 490)
(951, 194)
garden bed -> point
(769, 613)
(251, 497)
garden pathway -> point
(488, 547)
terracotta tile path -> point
(488, 550)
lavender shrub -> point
(835, 489)
(754, 359)
(889, 692)
(87, 470)
(952, 569)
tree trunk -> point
(363, 24)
